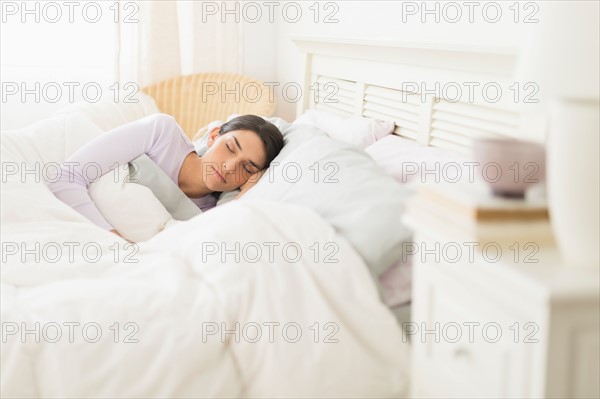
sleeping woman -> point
(238, 153)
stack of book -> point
(469, 211)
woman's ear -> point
(212, 135)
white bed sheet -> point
(173, 296)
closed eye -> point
(245, 166)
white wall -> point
(84, 52)
(383, 20)
(259, 53)
(52, 54)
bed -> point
(175, 316)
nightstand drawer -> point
(467, 342)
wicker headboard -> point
(417, 87)
(196, 100)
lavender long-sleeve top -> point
(158, 136)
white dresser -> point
(515, 323)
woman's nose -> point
(229, 166)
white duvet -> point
(251, 299)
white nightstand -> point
(528, 324)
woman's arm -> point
(99, 156)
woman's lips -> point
(218, 174)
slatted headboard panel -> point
(342, 91)
(417, 86)
(388, 104)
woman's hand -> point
(252, 180)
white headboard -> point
(438, 95)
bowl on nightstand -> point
(510, 167)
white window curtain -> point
(156, 40)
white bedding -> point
(410, 162)
(176, 294)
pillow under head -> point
(345, 186)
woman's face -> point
(232, 158)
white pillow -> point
(131, 208)
(357, 130)
(344, 186)
(411, 162)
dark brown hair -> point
(268, 133)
